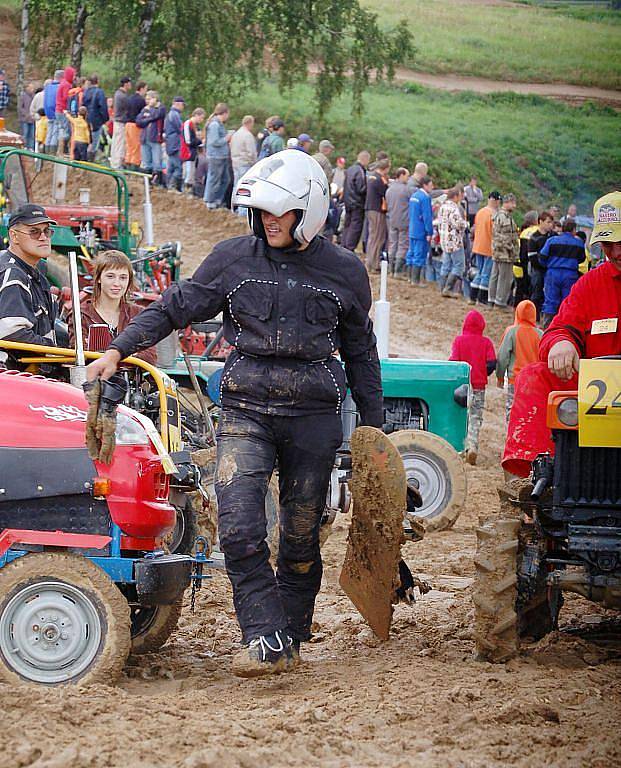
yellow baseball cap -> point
(607, 219)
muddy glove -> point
(101, 428)
(92, 390)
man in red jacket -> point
(587, 325)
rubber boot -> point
(474, 293)
(415, 275)
(90, 157)
(482, 297)
(442, 281)
(447, 291)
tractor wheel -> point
(62, 621)
(153, 625)
(495, 590)
(182, 537)
(439, 472)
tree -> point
(23, 46)
(217, 50)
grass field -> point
(543, 151)
(540, 43)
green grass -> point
(578, 45)
(542, 150)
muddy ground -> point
(419, 699)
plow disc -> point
(370, 574)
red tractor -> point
(84, 578)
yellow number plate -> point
(599, 404)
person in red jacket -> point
(62, 99)
(587, 325)
(470, 346)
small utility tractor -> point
(84, 578)
(561, 531)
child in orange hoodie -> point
(518, 348)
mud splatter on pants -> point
(249, 445)
(475, 419)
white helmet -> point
(290, 180)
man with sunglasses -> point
(27, 308)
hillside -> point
(512, 41)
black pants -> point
(249, 444)
(352, 229)
(80, 150)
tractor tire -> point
(153, 625)
(439, 472)
(182, 537)
(495, 590)
(62, 621)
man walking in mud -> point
(290, 300)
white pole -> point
(78, 371)
(147, 209)
(382, 313)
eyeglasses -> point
(35, 233)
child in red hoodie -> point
(470, 346)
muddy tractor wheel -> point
(62, 621)
(439, 471)
(153, 625)
(182, 537)
(495, 590)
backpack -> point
(266, 147)
(73, 102)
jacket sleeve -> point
(571, 322)
(428, 217)
(503, 363)
(490, 353)
(199, 298)
(359, 353)
(544, 253)
(215, 140)
(143, 119)
(17, 316)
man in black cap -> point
(27, 309)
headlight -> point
(129, 431)
(567, 412)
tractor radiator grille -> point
(586, 476)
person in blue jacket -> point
(561, 256)
(421, 229)
(95, 101)
(49, 105)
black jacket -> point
(286, 313)
(355, 189)
(94, 100)
(27, 309)
(535, 244)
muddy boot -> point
(443, 282)
(482, 297)
(447, 291)
(474, 293)
(267, 655)
(415, 275)
(471, 457)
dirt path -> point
(561, 91)
(419, 698)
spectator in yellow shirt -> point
(80, 133)
(40, 130)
